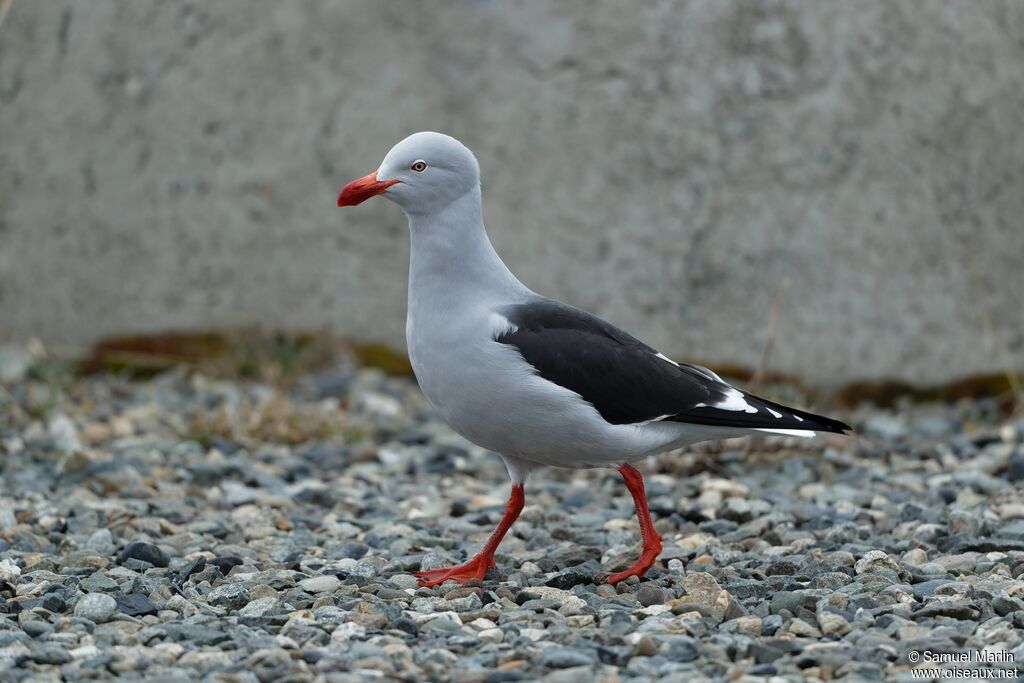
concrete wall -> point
(669, 165)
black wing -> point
(628, 382)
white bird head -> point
(423, 173)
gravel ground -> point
(183, 528)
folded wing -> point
(628, 382)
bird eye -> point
(419, 166)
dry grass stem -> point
(5, 6)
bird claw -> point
(476, 568)
(640, 567)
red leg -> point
(651, 539)
(477, 567)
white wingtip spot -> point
(666, 358)
(774, 413)
(805, 433)
(735, 401)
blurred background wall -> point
(669, 165)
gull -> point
(537, 381)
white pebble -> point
(9, 571)
(320, 584)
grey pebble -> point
(96, 607)
(1003, 605)
(99, 583)
(569, 578)
(404, 581)
(230, 595)
(50, 654)
(564, 658)
(135, 604)
(36, 628)
(926, 588)
(831, 580)
(653, 595)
